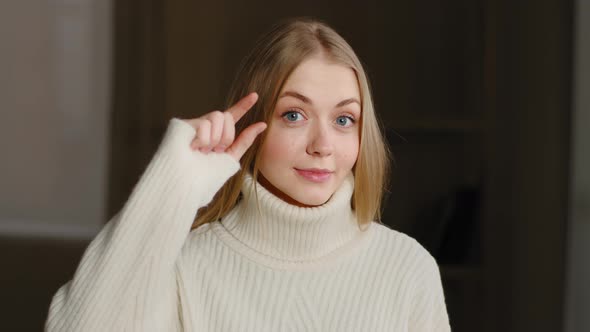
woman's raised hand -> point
(216, 130)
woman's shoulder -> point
(198, 239)
(199, 233)
(400, 247)
(388, 234)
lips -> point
(315, 174)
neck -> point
(271, 226)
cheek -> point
(349, 154)
(278, 148)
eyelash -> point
(352, 120)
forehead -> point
(323, 80)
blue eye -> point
(292, 116)
(342, 121)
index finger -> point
(242, 106)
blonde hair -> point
(265, 70)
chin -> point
(312, 194)
(295, 190)
(309, 197)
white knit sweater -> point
(264, 267)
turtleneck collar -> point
(285, 233)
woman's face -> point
(312, 141)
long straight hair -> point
(265, 70)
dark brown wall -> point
(533, 121)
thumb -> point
(245, 140)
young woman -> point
(262, 217)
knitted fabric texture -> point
(266, 266)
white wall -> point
(577, 315)
(54, 102)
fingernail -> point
(219, 148)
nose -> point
(320, 143)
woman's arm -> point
(429, 312)
(126, 279)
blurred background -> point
(484, 102)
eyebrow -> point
(308, 101)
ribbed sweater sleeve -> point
(126, 279)
(429, 311)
